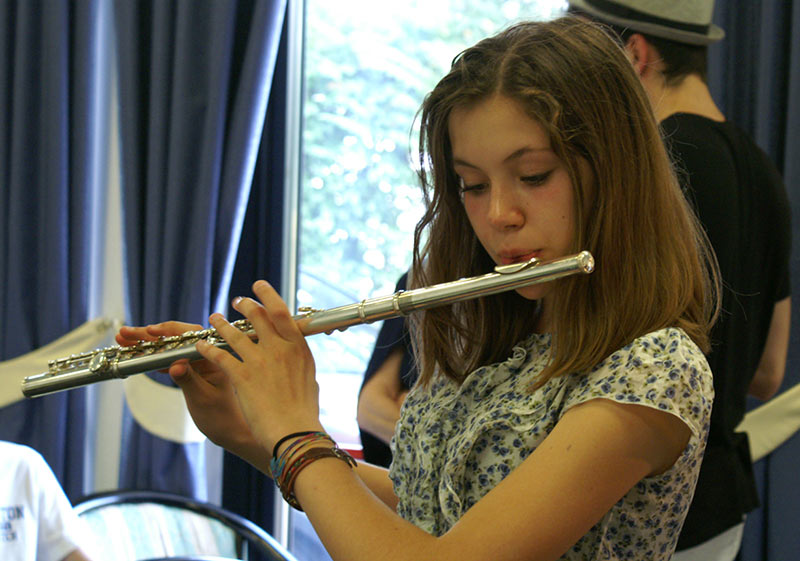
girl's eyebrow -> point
(513, 156)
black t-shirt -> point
(393, 334)
(741, 201)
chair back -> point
(148, 525)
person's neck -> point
(542, 318)
(690, 96)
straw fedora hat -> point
(683, 21)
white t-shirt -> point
(37, 522)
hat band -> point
(629, 13)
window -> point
(367, 66)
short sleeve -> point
(60, 530)
(664, 370)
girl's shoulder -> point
(663, 369)
(658, 347)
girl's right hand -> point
(128, 336)
(209, 395)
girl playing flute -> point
(566, 420)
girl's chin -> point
(534, 292)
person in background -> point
(391, 372)
(37, 522)
(562, 420)
(740, 198)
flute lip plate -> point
(515, 267)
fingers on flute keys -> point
(280, 318)
(130, 335)
(238, 341)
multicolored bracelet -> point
(278, 463)
(300, 454)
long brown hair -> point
(655, 268)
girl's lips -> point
(507, 258)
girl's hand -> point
(128, 336)
(273, 378)
(209, 394)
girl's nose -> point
(504, 209)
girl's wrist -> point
(295, 451)
(253, 453)
(279, 439)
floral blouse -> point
(453, 443)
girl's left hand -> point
(274, 377)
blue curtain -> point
(50, 89)
(245, 490)
(755, 74)
(194, 79)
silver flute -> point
(120, 362)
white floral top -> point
(454, 443)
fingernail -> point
(236, 301)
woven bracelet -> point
(278, 463)
(286, 483)
(287, 437)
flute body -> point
(120, 362)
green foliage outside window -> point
(368, 65)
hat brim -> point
(714, 34)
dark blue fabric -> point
(49, 93)
(194, 82)
(245, 490)
(755, 74)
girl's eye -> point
(473, 187)
(537, 179)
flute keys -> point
(98, 363)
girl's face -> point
(517, 193)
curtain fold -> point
(48, 154)
(194, 79)
(755, 75)
(245, 490)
